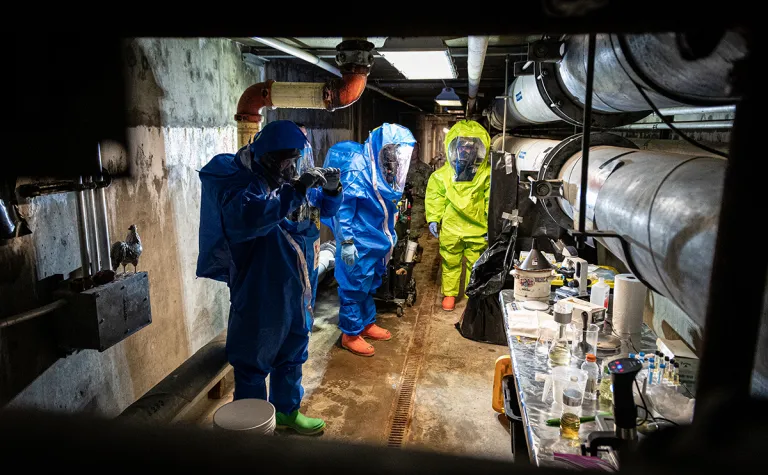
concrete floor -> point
(451, 406)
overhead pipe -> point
(355, 59)
(673, 111)
(476, 46)
(556, 91)
(692, 125)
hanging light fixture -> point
(448, 98)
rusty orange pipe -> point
(346, 91)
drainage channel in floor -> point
(403, 405)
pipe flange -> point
(570, 110)
(560, 154)
(354, 53)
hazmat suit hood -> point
(391, 143)
(461, 134)
(227, 172)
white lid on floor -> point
(255, 415)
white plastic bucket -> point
(251, 415)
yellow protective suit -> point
(461, 208)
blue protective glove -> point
(349, 254)
(433, 229)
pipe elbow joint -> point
(345, 91)
(253, 100)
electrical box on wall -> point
(99, 317)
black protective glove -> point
(310, 178)
(332, 176)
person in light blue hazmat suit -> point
(373, 175)
(247, 240)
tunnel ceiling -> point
(419, 92)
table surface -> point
(544, 441)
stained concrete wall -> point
(181, 106)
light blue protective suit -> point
(366, 216)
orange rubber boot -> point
(375, 332)
(449, 303)
(357, 345)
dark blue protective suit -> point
(367, 216)
(246, 241)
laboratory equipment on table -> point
(579, 269)
(623, 372)
(585, 337)
(605, 397)
(562, 378)
(533, 277)
(571, 398)
(593, 375)
(560, 350)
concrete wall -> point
(181, 107)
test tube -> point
(641, 355)
(662, 370)
(677, 374)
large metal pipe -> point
(93, 230)
(477, 46)
(653, 61)
(664, 205)
(698, 110)
(82, 231)
(102, 222)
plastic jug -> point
(599, 293)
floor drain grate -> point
(401, 415)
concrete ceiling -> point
(419, 92)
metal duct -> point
(556, 91)
(664, 205)
(476, 46)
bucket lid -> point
(535, 260)
(245, 414)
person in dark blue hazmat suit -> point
(373, 175)
(252, 238)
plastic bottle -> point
(593, 374)
(599, 293)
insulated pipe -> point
(476, 46)
(557, 90)
(664, 205)
(102, 221)
(82, 231)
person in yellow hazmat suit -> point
(457, 201)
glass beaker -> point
(560, 349)
(584, 341)
(545, 335)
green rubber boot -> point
(299, 422)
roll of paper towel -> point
(628, 305)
